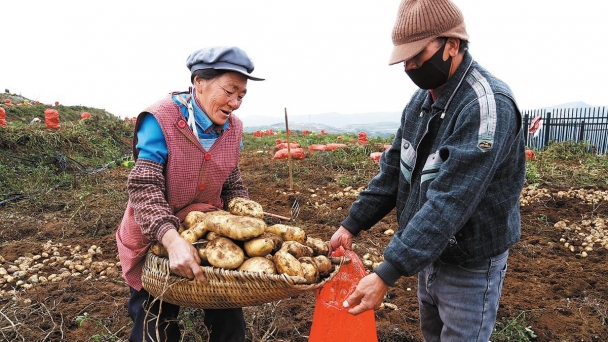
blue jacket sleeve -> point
(151, 142)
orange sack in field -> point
(296, 153)
(362, 138)
(375, 156)
(2, 117)
(85, 115)
(292, 145)
(316, 147)
(333, 147)
(529, 155)
(51, 118)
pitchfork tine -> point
(294, 212)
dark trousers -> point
(224, 325)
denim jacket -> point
(455, 190)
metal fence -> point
(589, 125)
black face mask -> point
(433, 73)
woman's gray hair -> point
(207, 74)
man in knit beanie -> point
(453, 175)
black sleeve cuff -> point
(351, 225)
(388, 273)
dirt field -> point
(560, 294)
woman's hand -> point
(342, 237)
(183, 257)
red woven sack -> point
(316, 147)
(2, 117)
(333, 147)
(51, 118)
(375, 156)
(296, 153)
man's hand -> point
(342, 237)
(183, 257)
(367, 296)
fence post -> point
(525, 128)
(581, 134)
(547, 127)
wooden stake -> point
(288, 151)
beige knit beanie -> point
(419, 22)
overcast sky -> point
(318, 56)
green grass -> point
(36, 161)
(568, 164)
(515, 329)
(98, 324)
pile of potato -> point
(55, 262)
(239, 239)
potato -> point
(224, 253)
(259, 246)
(216, 213)
(202, 253)
(245, 207)
(212, 235)
(288, 233)
(297, 249)
(216, 219)
(287, 264)
(158, 249)
(199, 229)
(276, 240)
(324, 265)
(309, 267)
(240, 228)
(193, 218)
(258, 264)
(318, 246)
(189, 236)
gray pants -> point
(460, 302)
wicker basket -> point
(224, 288)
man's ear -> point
(452, 46)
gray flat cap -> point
(222, 57)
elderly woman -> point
(186, 148)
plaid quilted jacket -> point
(454, 175)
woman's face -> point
(220, 96)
